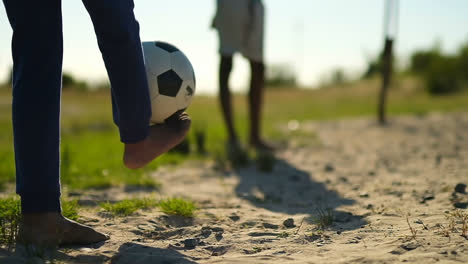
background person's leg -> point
(37, 67)
(225, 69)
(118, 37)
(257, 84)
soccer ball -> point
(171, 79)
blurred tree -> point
(9, 79)
(463, 61)
(69, 82)
(280, 75)
(338, 77)
(442, 73)
(102, 86)
(422, 59)
(374, 67)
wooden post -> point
(387, 68)
(390, 31)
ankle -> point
(255, 140)
(40, 218)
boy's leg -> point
(37, 57)
(37, 68)
(118, 37)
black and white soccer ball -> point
(171, 79)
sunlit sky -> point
(312, 36)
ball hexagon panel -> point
(169, 83)
(166, 46)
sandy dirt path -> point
(389, 190)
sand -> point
(390, 191)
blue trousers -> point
(37, 49)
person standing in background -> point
(240, 26)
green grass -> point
(92, 152)
(10, 216)
(324, 218)
(171, 206)
(177, 206)
(128, 206)
(70, 209)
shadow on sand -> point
(131, 253)
(292, 191)
(128, 253)
(35, 254)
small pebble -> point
(461, 205)
(270, 226)
(329, 167)
(289, 223)
(364, 195)
(460, 188)
(191, 242)
(206, 232)
(217, 229)
(234, 218)
(219, 236)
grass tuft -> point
(414, 232)
(10, 216)
(128, 206)
(177, 206)
(324, 218)
(70, 209)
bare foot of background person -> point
(162, 138)
(52, 229)
(261, 145)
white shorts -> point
(240, 28)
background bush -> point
(441, 73)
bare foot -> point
(52, 229)
(162, 138)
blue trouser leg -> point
(37, 67)
(37, 56)
(117, 32)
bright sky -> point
(312, 36)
